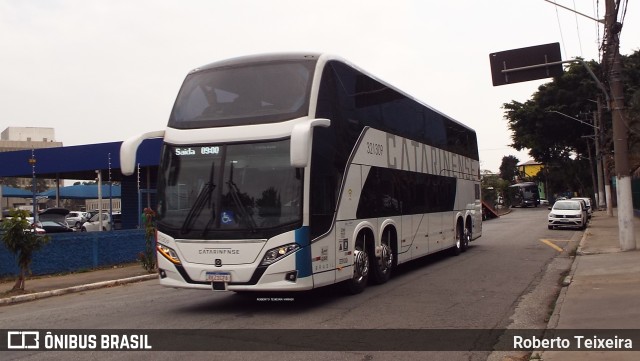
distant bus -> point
(295, 171)
(524, 194)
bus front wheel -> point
(457, 248)
(358, 281)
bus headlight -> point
(278, 253)
(169, 253)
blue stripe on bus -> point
(303, 256)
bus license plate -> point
(218, 277)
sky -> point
(105, 70)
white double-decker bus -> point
(287, 172)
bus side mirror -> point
(301, 141)
(129, 148)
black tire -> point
(466, 237)
(83, 229)
(361, 267)
(550, 227)
(383, 264)
(457, 248)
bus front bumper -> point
(279, 276)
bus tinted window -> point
(248, 94)
(364, 101)
(391, 192)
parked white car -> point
(568, 213)
(588, 202)
(76, 218)
(93, 224)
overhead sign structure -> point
(524, 64)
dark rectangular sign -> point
(535, 56)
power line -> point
(575, 13)
(560, 28)
(596, 11)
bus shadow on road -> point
(246, 304)
(269, 302)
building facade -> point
(25, 138)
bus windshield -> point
(239, 95)
(228, 191)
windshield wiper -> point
(204, 198)
(235, 195)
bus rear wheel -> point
(384, 263)
(358, 281)
(457, 248)
(466, 238)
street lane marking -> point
(552, 245)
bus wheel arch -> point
(386, 255)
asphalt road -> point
(507, 279)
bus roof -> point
(322, 59)
(258, 58)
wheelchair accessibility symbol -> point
(227, 217)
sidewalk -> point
(47, 286)
(604, 292)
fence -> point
(70, 252)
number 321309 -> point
(374, 148)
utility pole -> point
(32, 161)
(601, 204)
(593, 171)
(620, 132)
(604, 160)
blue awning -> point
(11, 192)
(83, 192)
(76, 162)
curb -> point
(555, 316)
(579, 251)
(63, 291)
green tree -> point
(509, 168)
(84, 183)
(559, 142)
(9, 181)
(493, 187)
(148, 257)
(550, 136)
(41, 186)
(22, 241)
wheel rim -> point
(467, 237)
(361, 264)
(386, 259)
